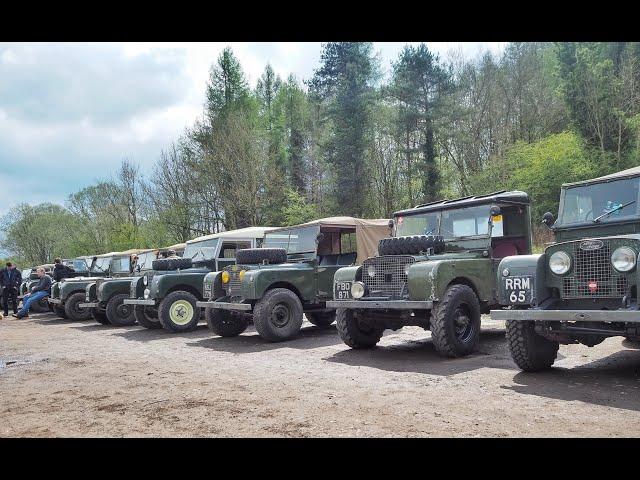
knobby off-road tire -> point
(147, 317)
(100, 317)
(225, 323)
(356, 332)
(277, 316)
(163, 264)
(73, 311)
(178, 312)
(455, 322)
(321, 319)
(531, 352)
(59, 311)
(119, 313)
(254, 256)
(411, 245)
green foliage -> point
(298, 210)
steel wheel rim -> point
(280, 315)
(123, 310)
(463, 325)
(181, 312)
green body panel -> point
(524, 265)
(112, 286)
(190, 279)
(259, 278)
(69, 287)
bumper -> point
(88, 305)
(381, 305)
(139, 301)
(224, 306)
(55, 301)
(627, 316)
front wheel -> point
(278, 315)
(355, 331)
(73, 310)
(100, 316)
(530, 351)
(455, 322)
(225, 323)
(321, 319)
(147, 317)
(178, 312)
(119, 313)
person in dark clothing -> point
(41, 290)
(60, 270)
(10, 279)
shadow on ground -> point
(612, 381)
(420, 356)
(141, 334)
(250, 342)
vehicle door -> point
(336, 249)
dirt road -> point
(63, 378)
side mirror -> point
(548, 219)
(391, 224)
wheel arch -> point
(288, 286)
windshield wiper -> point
(619, 207)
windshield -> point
(451, 224)
(121, 264)
(204, 250)
(586, 203)
(102, 264)
(424, 224)
(80, 265)
(145, 260)
(296, 240)
(26, 272)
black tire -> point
(226, 323)
(354, 330)
(254, 256)
(163, 264)
(119, 313)
(175, 302)
(100, 316)
(321, 319)
(59, 311)
(41, 306)
(530, 352)
(73, 311)
(147, 317)
(451, 339)
(277, 316)
(411, 245)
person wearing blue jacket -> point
(10, 280)
(41, 290)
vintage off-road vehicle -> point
(68, 294)
(291, 275)
(584, 287)
(170, 291)
(29, 280)
(436, 272)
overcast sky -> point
(69, 113)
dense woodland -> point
(363, 139)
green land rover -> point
(436, 272)
(291, 275)
(170, 291)
(584, 287)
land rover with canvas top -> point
(584, 287)
(290, 276)
(167, 295)
(437, 271)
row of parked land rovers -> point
(438, 266)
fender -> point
(257, 282)
(347, 274)
(69, 288)
(136, 287)
(111, 287)
(212, 286)
(90, 292)
(519, 265)
(161, 284)
(429, 280)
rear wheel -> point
(41, 306)
(355, 331)
(530, 351)
(225, 323)
(59, 311)
(147, 317)
(178, 312)
(455, 322)
(118, 312)
(100, 316)
(72, 309)
(278, 315)
(321, 319)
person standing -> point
(61, 271)
(10, 279)
(41, 290)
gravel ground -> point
(63, 378)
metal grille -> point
(235, 285)
(389, 279)
(593, 275)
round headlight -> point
(146, 293)
(357, 290)
(623, 259)
(241, 274)
(560, 263)
(225, 277)
(371, 271)
(145, 280)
